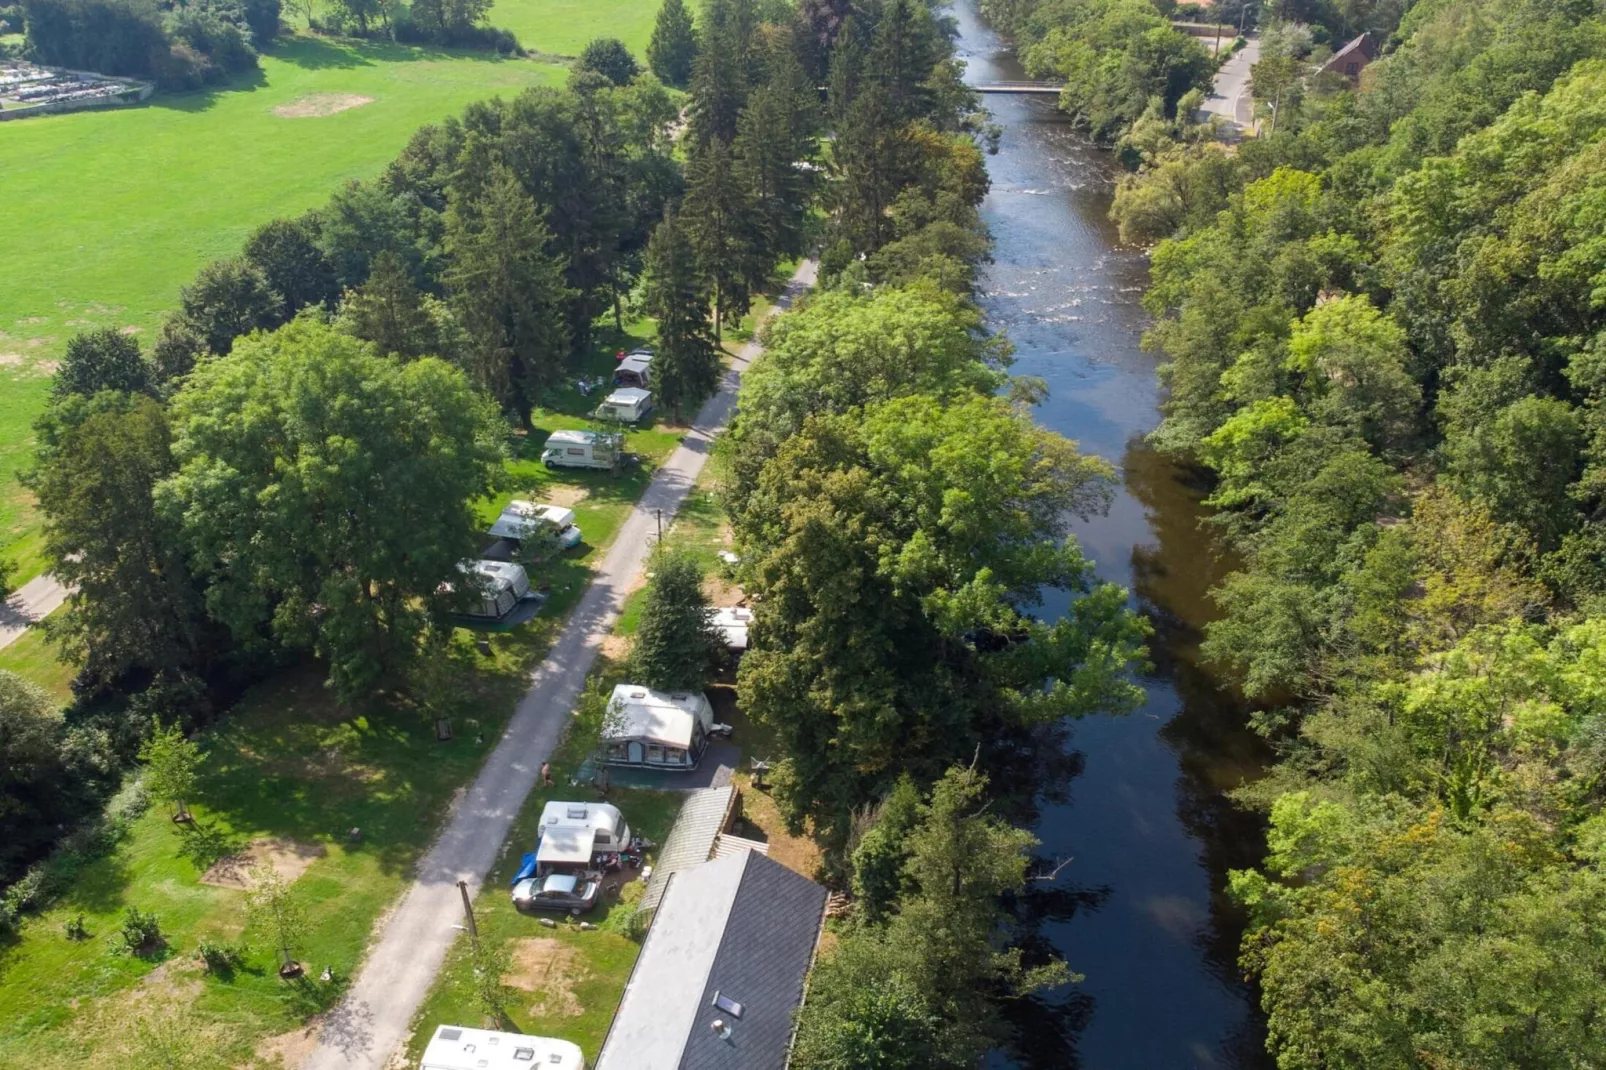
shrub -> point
(141, 932)
(76, 930)
(221, 959)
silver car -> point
(557, 891)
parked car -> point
(557, 891)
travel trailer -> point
(581, 449)
(521, 520)
(504, 586)
(656, 729)
(634, 370)
(628, 405)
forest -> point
(1381, 327)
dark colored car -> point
(557, 891)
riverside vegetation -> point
(1381, 329)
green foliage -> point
(719, 219)
(287, 253)
(101, 360)
(491, 963)
(308, 424)
(882, 852)
(182, 46)
(915, 989)
(229, 298)
(1114, 56)
(389, 311)
(135, 603)
(686, 363)
(274, 910)
(172, 766)
(677, 646)
(609, 57)
(893, 557)
(673, 48)
(141, 932)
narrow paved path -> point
(1229, 95)
(27, 606)
(372, 1021)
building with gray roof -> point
(722, 970)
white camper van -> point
(457, 1047)
(581, 449)
(628, 404)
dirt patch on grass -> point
(10, 360)
(547, 967)
(129, 330)
(616, 648)
(318, 105)
(290, 1049)
(722, 592)
(288, 858)
(760, 814)
(565, 494)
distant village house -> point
(1350, 60)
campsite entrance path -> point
(372, 1021)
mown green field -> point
(107, 214)
(564, 27)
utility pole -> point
(660, 513)
(468, 912)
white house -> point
(572, 832)
(456, 1047)
(656, 729)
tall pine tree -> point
(685, 367)
(720, 79)
(507, 290)
(388, 311)
(775, 133)
(719, 218)
(673, 47)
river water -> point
(1139, 909)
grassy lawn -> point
(564, 27)
(33, 658)
(109, 213)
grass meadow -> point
(106, 214)
(564, 27)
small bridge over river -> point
(1040, 88)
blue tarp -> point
(526, 869)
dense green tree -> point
(673, 48)
(676, 647)
(286, 251)
(609, 57)
(718, 215)
(290, 454)
(51, 776)
(720, 78)
(105, 359)
(134, 603)
(177, 350)
(889, 555)
(389, 311)
(361, 221)
(229, 298)
(508, 292)
(774, 136)
(917, 990)
(686, 363)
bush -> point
(10, 20)
(141, 932)
(221, 959)
(76, 929)
(480, 38)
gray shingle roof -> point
(742, 926)
(691, 841)
(762, 963)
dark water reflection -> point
(1138, 806)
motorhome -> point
(581, 449)
(457, 1047)
(628, 405)
(656, 729)
(523, 520)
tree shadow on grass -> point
(199, 100)
(205, 845)
(98, 888)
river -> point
(1141, 814)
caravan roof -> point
(519, 518)
(576, 438)
(732, 623)
(455, 1047)
(636, 364)
(568, 829)
(663, 717)
(628, 395)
